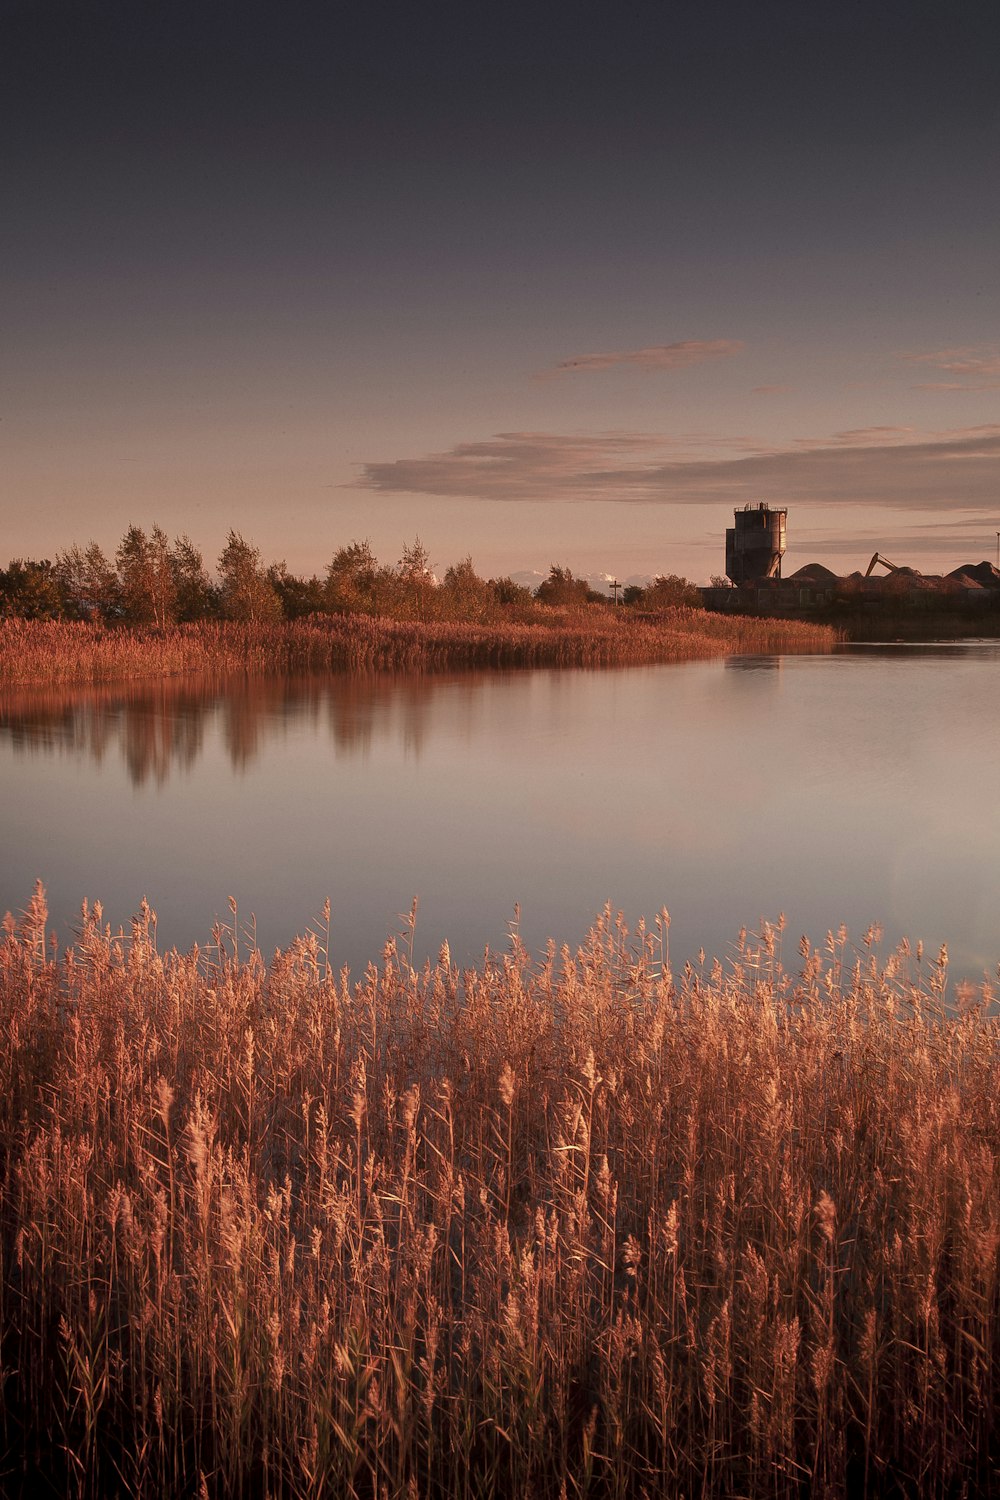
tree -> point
(668, 590)
(297, 596)
(465, 594)
(162, 577)
(415, 563)
(30, 591)
(562, 588)
(89, 584)
(147, 589)
(195, 596)
(134, 577)
(352, 579)
(510, 594)
(415, 581)
(244, 591)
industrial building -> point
(756, 544)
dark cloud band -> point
(949, 471)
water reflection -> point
(920, 650)
(753, 663)
(161, 728)
(155, 727)
(851, 788)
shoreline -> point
(62, 652)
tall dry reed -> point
(58, 651)
(571, 1227)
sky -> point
(547, 283)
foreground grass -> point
(58, 651)
(567, 1228)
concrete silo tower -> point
(756, 544)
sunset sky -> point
(536, 283)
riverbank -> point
(915, 625)
(888, 621)
(531, 1229)
(58, 651)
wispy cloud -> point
(860, 437)
(961, 539)
(955, 385)
(894, 467)
(968, 361)
(657, 357)
(978, 369)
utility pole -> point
(614, 585)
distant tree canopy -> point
(154, 582)
(150, 582)
(31, 591)
(667, 591)
(510, 594)
(562, 588)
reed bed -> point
(61, 651)
(567, 1227)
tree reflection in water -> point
(159, 727)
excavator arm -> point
(878, 558)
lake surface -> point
(855, 788)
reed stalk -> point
(569, 1226)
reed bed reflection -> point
(569, 1227)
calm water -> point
(853, 788)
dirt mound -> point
(984, 573)
(814, 573)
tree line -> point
(152, 580)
